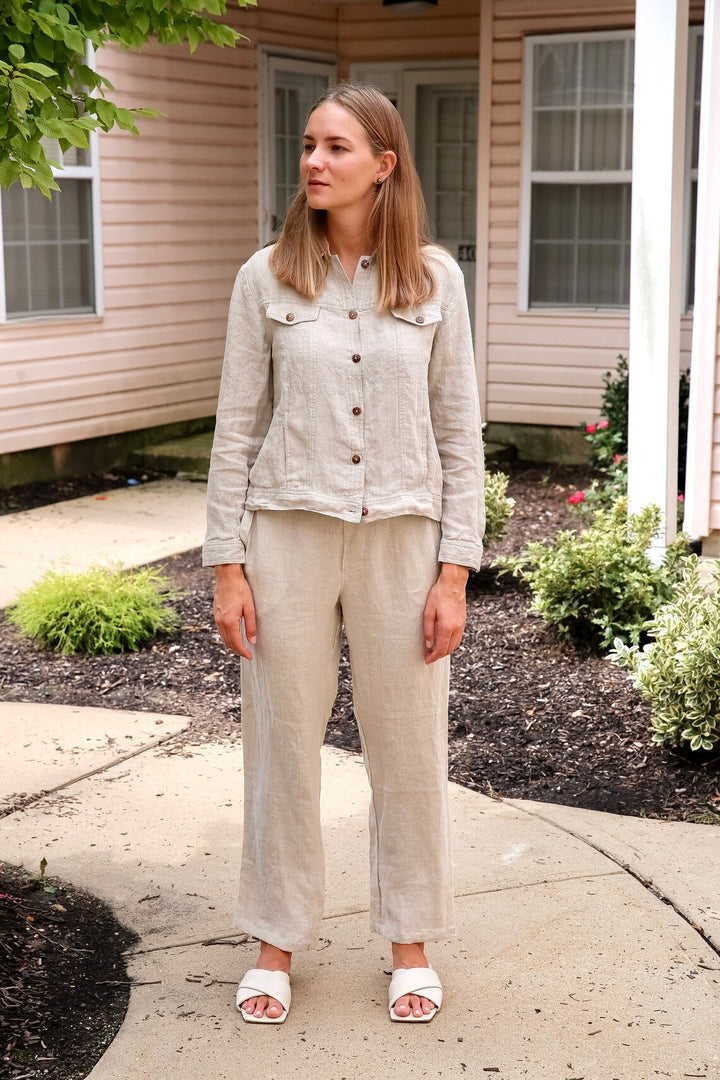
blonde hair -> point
(398, 221)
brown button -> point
(356, 358)
(356, 459)
(364, 511)
(352, 314)
(357, 410)
(419, 319)
(365, 263)
(289, 316)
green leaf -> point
(36, 90)
(19, 96)
(44, 47)
(39, 69)
(16, 52)
(52, 129)
(9, 172)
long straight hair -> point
(398, 220)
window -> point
(578, 135)
(291, 87)
(49, 246)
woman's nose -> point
(314, 159)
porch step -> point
(188, 457)
(496, 452)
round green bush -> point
(102, 610)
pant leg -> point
(288, 689)
(401, 706)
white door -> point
(439, 107)
(291, 87)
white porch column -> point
(661, 38)
(707, 285)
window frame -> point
(528, 174)
(691, 171)
(89, 172)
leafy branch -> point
(49, 91)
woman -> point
(346, 488)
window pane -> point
(696, 102)
(552, 274)
(554, 141)
(17, 295)
(76, 274)
(48, 249)
(580, 247)
(44, 279)
(601, 139)
(14, 214)
(604, 80)
(556, 74)
(553, 211)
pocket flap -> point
(419, 316)
(290, 313)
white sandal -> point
(260, 983)
(421, 981)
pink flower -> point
(681, 497)
(591, 429)
(618, 458)
(603, 424)
(578, 497)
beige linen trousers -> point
(310, 574)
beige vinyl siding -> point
(369, 33)
(541, 367)
(179, 215)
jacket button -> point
(365, 263)
(356, 459)
(356, 358)
(357, 410)
(364, 511)
(289, 317)
(419, 319)
(352, 314)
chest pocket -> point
(424, 315)
(292, 314)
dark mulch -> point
(530, 716)
(63, 986)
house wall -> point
(540, 367)
(715, 480)
(179, 215)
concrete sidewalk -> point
(587, 946)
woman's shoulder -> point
(258, 265)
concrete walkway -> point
(587, 946)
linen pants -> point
(310, 574)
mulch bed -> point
(530, 716)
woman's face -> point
(338, 168)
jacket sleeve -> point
(455, 414)
(243, 417)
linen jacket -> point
(331, 406)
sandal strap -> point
(422, 981)
(258, 983)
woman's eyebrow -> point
(329, 138)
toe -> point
(402, 1006)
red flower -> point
(681, 497)
(603, 424)
(618, 458)
(591, 429)
(578, 497)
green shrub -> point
(608, 440)
(498, 507)
(100, 611)
(679, 671)
(600, 584)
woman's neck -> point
(348, 240)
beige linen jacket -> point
(329, 406)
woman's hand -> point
(232, 606)
(445, 612)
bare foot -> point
(270, 959)
(411, 956)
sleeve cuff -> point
(461, 553)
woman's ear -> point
(386, 163)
